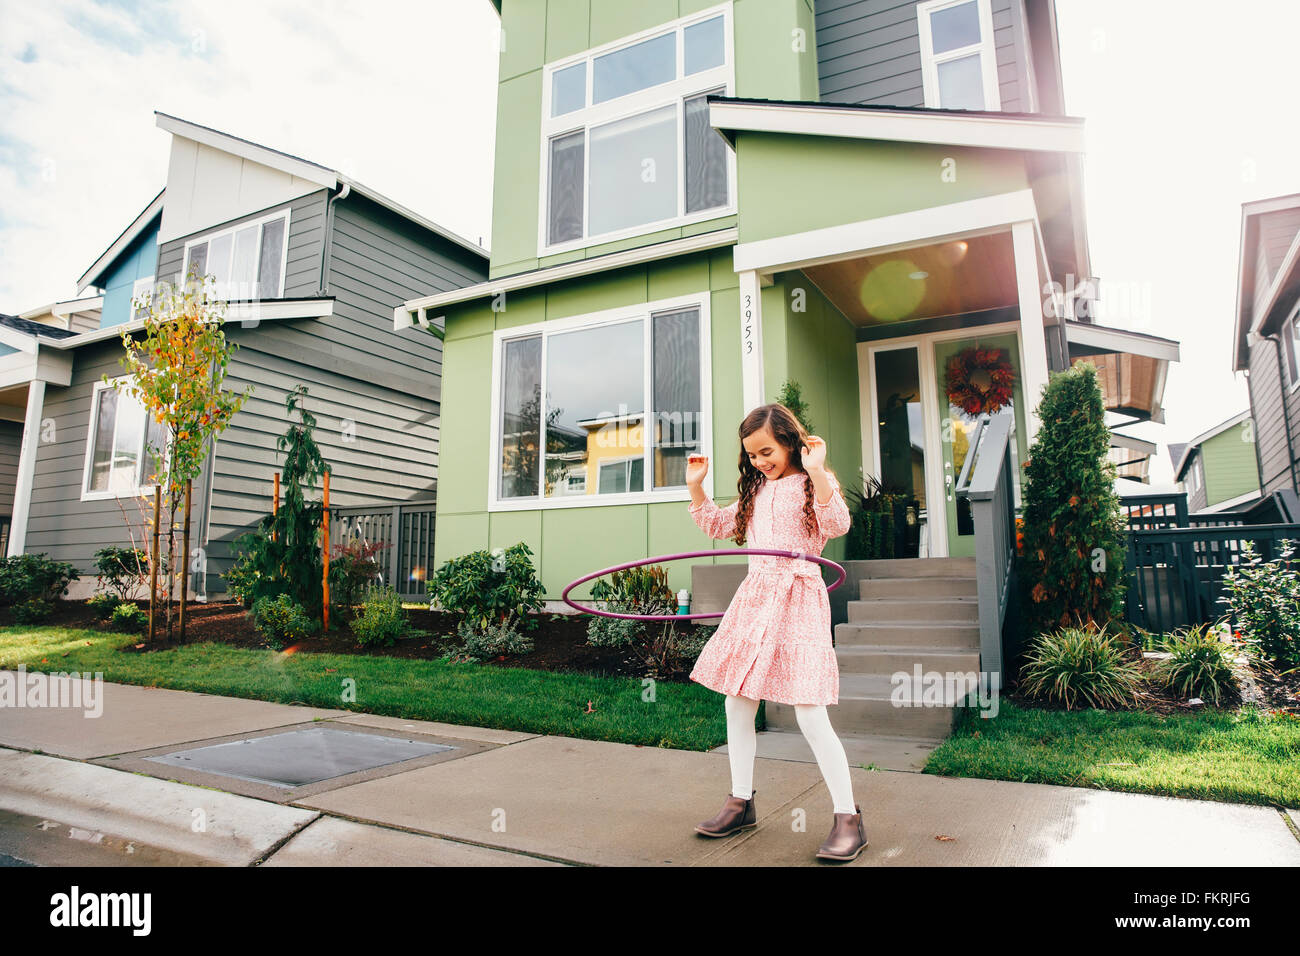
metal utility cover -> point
(299, 757)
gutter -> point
(327, 254)
(1275, 338)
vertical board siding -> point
(869, 52)
(11, 440)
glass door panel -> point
(900, 438)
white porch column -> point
(26, 467)
(1033, 338)
(751, 340)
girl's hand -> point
(697, 466)
(813, 454)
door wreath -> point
(979, 380)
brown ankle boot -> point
(847, 839)
(736, 815)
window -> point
(118, 449)
(141, 287)
(1194, 480)
(626, 142)
(959, 67)
(1291, 346)
(606, 405)
(247, 260)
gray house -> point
(1266, 344)
(312, 264)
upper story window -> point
(121, 445)
(246, 260)
(1291, 346)
(626, 143)
(1194, 480)
(959, 67)
(603, 406)
(142, 291)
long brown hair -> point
(791, 436)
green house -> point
(1219, 470)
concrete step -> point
(911, 611)
(888, 660)
(948, 636)
(916, 568)
(868, 706)
(923, 587)
(883, 751)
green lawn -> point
(683, 716)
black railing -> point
(405, 534)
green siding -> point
(791, 184)
(536, 32)
(1229, 463)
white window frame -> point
(139, 288)
(260, 222)
(643, 310)
(672, 93)
(1195, 480)
(136, 489)
(985, 47)
(1291, 343)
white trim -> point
(139, 287)
(410, 312)
(411, 214)
(264, 310)
(886, 233)
(25, 479)
(671, 93)
(260, 222)
(301, 168)
(66, 308)
(643, 310)
(985, 48)
(137, 489)
(128, 236)
(1230, 503)
(22, 341)
(1203, 437)
(952, 129)
(1033, 337)
(1121, 340)
(1290, 331)
(751, 341)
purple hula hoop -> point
(691, 554)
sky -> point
(1186, 116)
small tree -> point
(1072, 568)
(177, 363)
(791, 396)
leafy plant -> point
(791, 396)
(878, 516)
(129, 617)
(283, 555)
(282, 621)
(484, 640)
(1081, 666)
(1072, 566)
(353, 569)
(1199, 665)
(28, 577)
(1264, 597)
(123, 572)
(485, 586)
(382, 619)
(33, 610)
(103, 604)
(643, 590)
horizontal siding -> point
(869, 52)
(11, 441)
(1230, 468)
(1266, 402)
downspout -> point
(1286, 414)
(328, 252)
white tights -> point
(742, 743)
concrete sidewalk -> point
(500, 798)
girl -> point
(774, 642)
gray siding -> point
(869, 52)
(11, 440)
(1266, 404)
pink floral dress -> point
(774, 642)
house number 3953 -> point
(749, 325)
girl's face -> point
(767, 455)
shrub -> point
(34, 577)
(382, 620)
(1199, 665)
(282, 621)
(353, 569)
(103, 604)
(1265, 600)
(494, 638)
(1072, 566)
(123, 572)
(486, 586)
(1081, 666)
(33, 610)
(128, 616)
(642, 590)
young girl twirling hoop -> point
(774, 642)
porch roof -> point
(1133, 366)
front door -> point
(957, 428)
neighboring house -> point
(695, 202)
(312, 264)
(1266, 336)
(1218, 468)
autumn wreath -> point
(979, 380)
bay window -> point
(246, 260)
(959, 67)
(120, 446)
(626, 142)
(604, 406)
